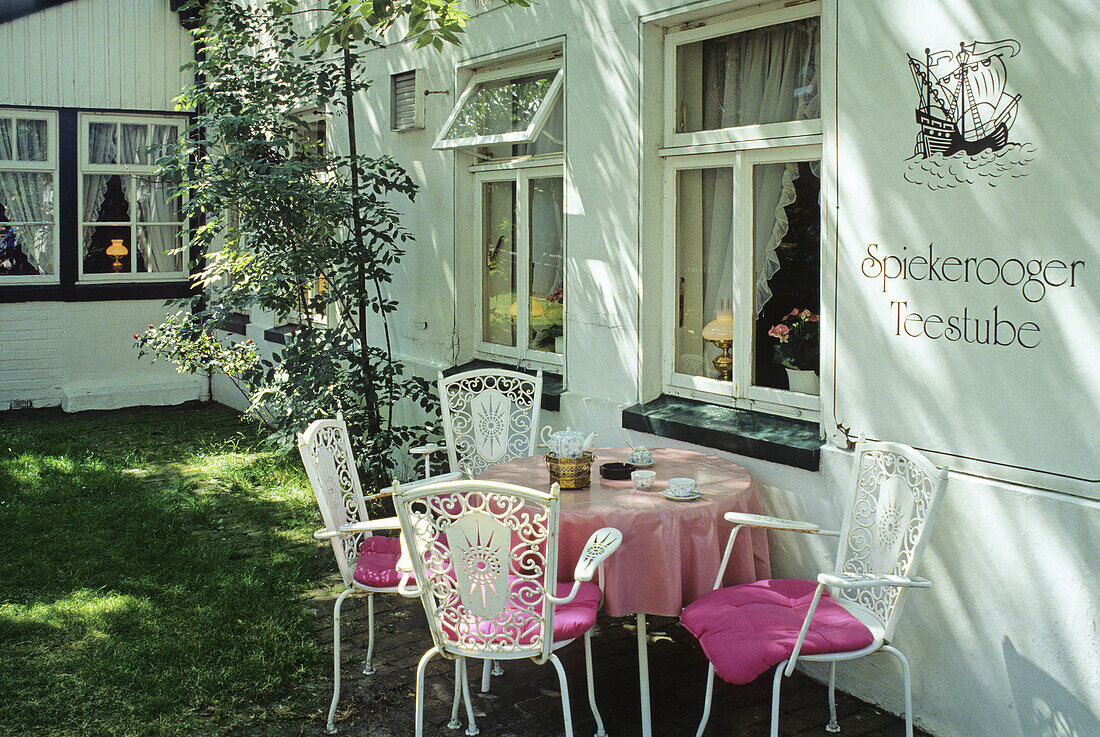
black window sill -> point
(236, 323)
(279, 333)
(94, 292)
(782, 440)
(553, 385)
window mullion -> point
(523, 264)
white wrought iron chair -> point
(853, 611)
(367, 562)
(485, 556)
(489, 416)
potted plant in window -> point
(797, 349)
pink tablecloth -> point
(671, 549)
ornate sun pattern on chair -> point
(490, 417)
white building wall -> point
(1005, 643)
(97, 55)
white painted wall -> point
(94, 54)
(1005, 644)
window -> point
(504, 106)
(742, 166)
(131, 227)
(28, 197)
(312, 141)
(511, 122)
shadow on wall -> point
(1043, 706)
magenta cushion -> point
(377, 564)
(570, 620)
(745, 630)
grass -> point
(153, 571)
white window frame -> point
(538, 120)
(50, 166)
(83, 167)
(520, 171)
(738, 149)
(744, 134)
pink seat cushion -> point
(570, 620)
(377, 564)
(745, 630)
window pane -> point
(135, 145)
(547, 271)
(97, 240)
(704, 263)
(153, 244)
(154, 200)
(31, 139)
(7, 143)
(787, 248)
(499, 107)
(26, 249)
(765, 75)
(106, 198)
(498, 287)
(102, 143)
(163, 136)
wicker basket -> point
(571, 473)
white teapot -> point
(567, 443)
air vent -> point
(406, 101)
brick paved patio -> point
(525, 703)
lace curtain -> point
(28, 196)
(102, 149)
(761, 76)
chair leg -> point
(454, 723)
(472, 729)
(564, 695)
(498, 669)
(776, 681)
(600, 732)
(707, 701)
(331, 726)
(419, 719)
(368, 669)
(907, 684)
(486, 672)
(832, 726)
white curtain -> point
(152, 198)
(102, 149)
(762, 76)
(28, 196)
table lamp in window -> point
(719, 331)
(116, 251)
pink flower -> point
(780, 331)
(814, 318)
(794, 312)
(806, 315)
(135, 336)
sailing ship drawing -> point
(965, 112)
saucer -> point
(667, 494)
(644, 465)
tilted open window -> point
(503, 106)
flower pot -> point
(806, 382)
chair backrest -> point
(489, 416)
(485, 555)
(896, 491)
(330, 465)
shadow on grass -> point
(154, 566)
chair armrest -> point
(776, 523)
(599, 547)
(602, 544)
(423, 449)
(870, 580)
(370, 525)
(405, 567)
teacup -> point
(641, 457)
(681, 487)
(643, 479)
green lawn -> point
(154, 565)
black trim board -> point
(553, 385)
(12, 9)
(782, 440)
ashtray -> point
(616, 471)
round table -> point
(671, 549)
